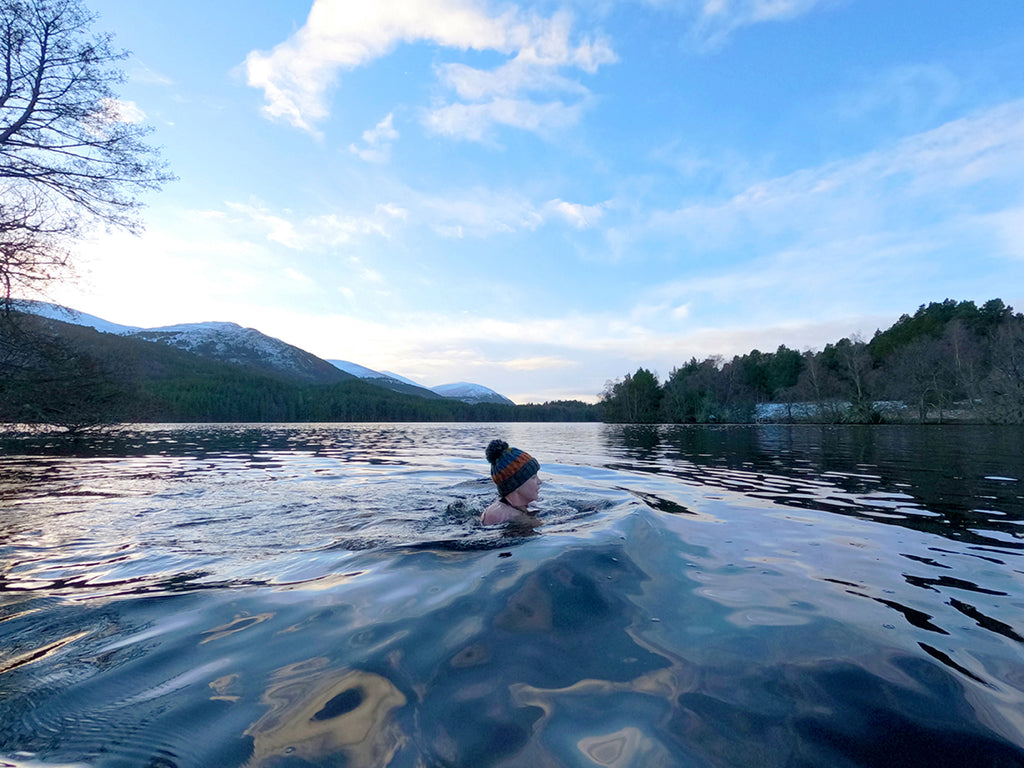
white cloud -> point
(367, 274)
(483, 212)
(392, 210)
(298, 73)
(382, 133)
(193, 261)
(121, 111)
(506, 81)
(480, 213)
(474, 121)
(276, 228)
(579, 216)
(377, 141)
(681, 312)
(713, 21)
(321, 231)
(499, 96)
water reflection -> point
(286, 596)
(960, 482)
(316, 712)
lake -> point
(323, 595)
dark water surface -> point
(287, 596)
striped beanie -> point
(510, 467)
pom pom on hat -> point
(510, 467)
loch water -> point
(322, 595)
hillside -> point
(380, 379)
(471, 393)
(251, 349)
(246, 347)
(74, 376)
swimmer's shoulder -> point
(501, 512)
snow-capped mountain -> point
(464, 391)
(383, 379)
(401, 378)
(65, 315)
(226, 342)
(357, 370)
(471, 393)
(230, 342)
(247, 347)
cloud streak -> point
(714, 21)
(924, 176)
(317, 232)
(297, 75)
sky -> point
(541, 197)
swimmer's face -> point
(530, 490)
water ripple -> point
(325, 595)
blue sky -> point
(540, 197)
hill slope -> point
(249, 348)
(74, 376)
(246, 347)
(471, 393)
(386, 380)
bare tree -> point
(821, 386)
(71, 155)
(33, 250)
(922, 374)
(1004, 389)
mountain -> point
(386, 380)
(247, 347)
(471, 393)
(74, 317)
(463, 391)
(401, 378)
(221, 342)
(74, 376)
(356, 370)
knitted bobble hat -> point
(510, 467)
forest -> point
(948, 362)
(76, 378)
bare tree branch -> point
(68, 158)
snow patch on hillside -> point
(402, 379)
(223, 340)
(74, 317)
(359, 370)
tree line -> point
(948, 361)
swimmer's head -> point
(510, 467)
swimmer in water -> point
(515, 473)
